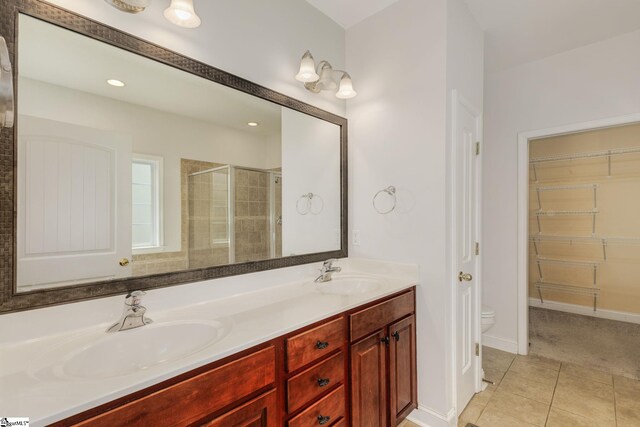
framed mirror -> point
(137, 167)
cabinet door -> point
(260, 412)
(402, 369)
(368, 381)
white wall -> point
(404, 67)
(154, 132)
(261, 41)
(589, 83)
(310, 164)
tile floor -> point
(407, 423)
(536, 391)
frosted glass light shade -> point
(182, 13)
(326, 81)
(345, 91)
(307, 73)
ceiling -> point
(54, 55)
(348, 13)
(520, 31)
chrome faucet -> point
(327, 270)
(133, 315)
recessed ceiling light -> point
(116, 82)
(253, 124)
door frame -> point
(524, 138)
(459, 101)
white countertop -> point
(264, 309)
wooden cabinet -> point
(316, 362)
(369, 381)
(383, 364)
(195, 398)
(260, 412)
(355, 369)
(403, 387)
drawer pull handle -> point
(323, 420)
(396, 335)
(385, 340)
(323, 382)
(321, 345)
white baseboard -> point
(500, 343)
(427, 417)
(586, 311)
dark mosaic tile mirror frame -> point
(12, 301)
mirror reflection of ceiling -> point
(84, 64)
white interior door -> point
(74, 204)
(466, 136)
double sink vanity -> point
(303, 353)
(212, 206)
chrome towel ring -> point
(390, 191)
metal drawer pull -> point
(385, 340)
(323, 420)
(321, 345)
(396, 335)
(323, 382)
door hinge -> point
(477, 148)
(477, 248)
(477, 349)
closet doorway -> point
(581, 296)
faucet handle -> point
(135, 297)
(328, 263)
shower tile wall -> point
(251, 215)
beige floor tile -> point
(528, 386)
(470, 414)
(629, 413)
(496, 359)
(559, 418)
(543, 362)
(589, 399)
(517, 407)
(493, 375)
(483, 397)
(588, 373)
(495, 418)
(627, 392)
(534, 370)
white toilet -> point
(488, 318)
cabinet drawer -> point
(197, 397)
(314, 381)
(261, 411)
(371, 319)
(341, 423)
(324, 412)
(308, 346)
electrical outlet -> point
(355, 238)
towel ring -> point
(390, 191)
(306, 208)
(311, 204)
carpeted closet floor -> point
(602, 344)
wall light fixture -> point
(323, 77)
(182, 13)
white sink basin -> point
(126, 352)
(349, 285)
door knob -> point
(464, 276)
(124, 262)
